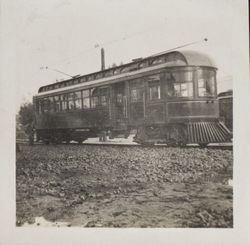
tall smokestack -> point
(102, 59)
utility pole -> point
(102, 59)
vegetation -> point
(26, 120)
(26, 116)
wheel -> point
(67, 140)
(58, 141)
(111, 135)
(46, 142)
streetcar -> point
(226, 108)
(166, 98)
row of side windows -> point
(84, 99)
(179, 84)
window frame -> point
(70, 100)
(151, 85)
(180, 82)
(214, 83)
(57, 102)
(137, 85)
(64, 102)
(84, 98)
(78, 98)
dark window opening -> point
(154, 91)
(57, 103)
(71, 101)
(136, 95)
(64, 99)
(137, 91)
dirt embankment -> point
(104, 186)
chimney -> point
(102, 59)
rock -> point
(82, 197)
(106, 201)
(61, 194)
(90, 224)
(115, 214)
(53, 183)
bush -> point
(26, 119)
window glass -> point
(39, 107)
(157, 61)
(90, 77)
(99, 75)
(143, 64)
(183, 90)
(117, 71)
(94, 102)
(86, 103)
(46, 105)
(78, 100)
(57, 103)
(136, 94)
(69, 83)
(154, 91)
(50, 104)
(64, 99)
(93, 92)
(86, 99)
(103, 100)
(206, 83)
(71, 98)
(83, 79)
(108, 73)
(94, 97)
(85, 93)
(125, 69)
(103, 93)
(180, 84)
(119, 98)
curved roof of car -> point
(197, 58)
(153, 62)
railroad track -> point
(223, 146)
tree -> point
(26, 118)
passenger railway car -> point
(170, 98)
(226, 108)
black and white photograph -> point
(125, 114)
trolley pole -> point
(52, 69)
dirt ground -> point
(123, 186)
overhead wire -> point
(110, 42)
(105, 44)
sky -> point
(67, 35)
